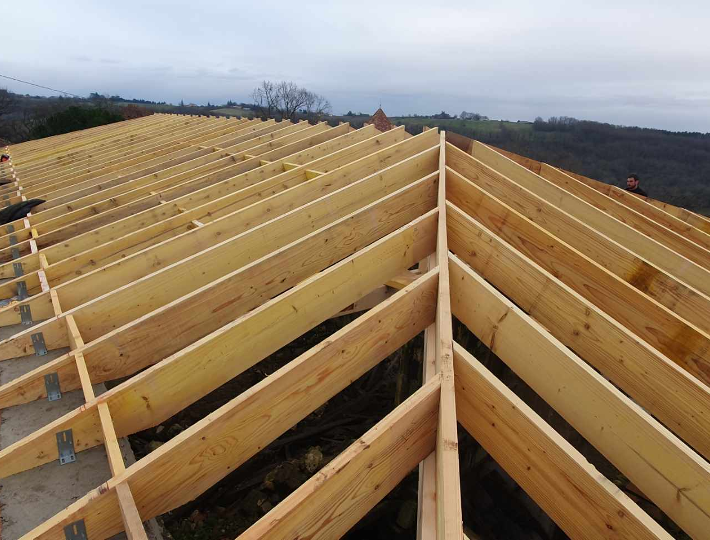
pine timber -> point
(177, 252)
(679, 400)
(562, 482)
(679, 340)
(162, 390)
(684, 269)
(171, 475)
(649, 279)
(665, 470)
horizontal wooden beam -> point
(572, 492)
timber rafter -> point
(176, 252)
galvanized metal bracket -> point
(22, 290)
(13, 239)
(51, 383)
(10, 228)
(26, 315)
(15, 253)
(17, 267)
(76, 531)
(38, 344)
(65, 445)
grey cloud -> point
(631, 62)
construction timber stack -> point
(180, 251)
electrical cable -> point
(39, 85)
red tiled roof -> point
(380, 120)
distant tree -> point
(316, 106)
(182, 103)
(472, 116)
(134, 111)
(74, 118)
(7, 100)
(265, 99)
(285, 99)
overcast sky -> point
(643, 63)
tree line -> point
(673, 166)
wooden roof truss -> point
(180, 251)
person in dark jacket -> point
(632, 185)
(4, 158)
(18, 210)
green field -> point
(232, 111)
(455, 123)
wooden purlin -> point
(660, 285)
(673, 217)
(251, 233)
(656, 253)
(130, 268)
(685, 344)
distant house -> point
(380, 120)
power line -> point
(39, 86)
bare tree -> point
(290, 98)
(265, 98)
(286, 99)
(316, 106)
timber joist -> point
(176, 252)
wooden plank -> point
(668, 392)
(165, 331)
(696, 221)
(104, 314)
(170, 167)
(84, 378)
(649, 279)
(669, 238)
(634, 202)
(661, 256)
(128, 269)
(339, 495)
(177, 472)
(640, 205)
(426, 489)
(131, 519)
(570, 490)
(449, 521)
(56, 306)
(682, 342)
(113, 451)
(349, 147)
(670, 474)
(159, 392)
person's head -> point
(4, 158)
(632, 181)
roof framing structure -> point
(176, 252)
